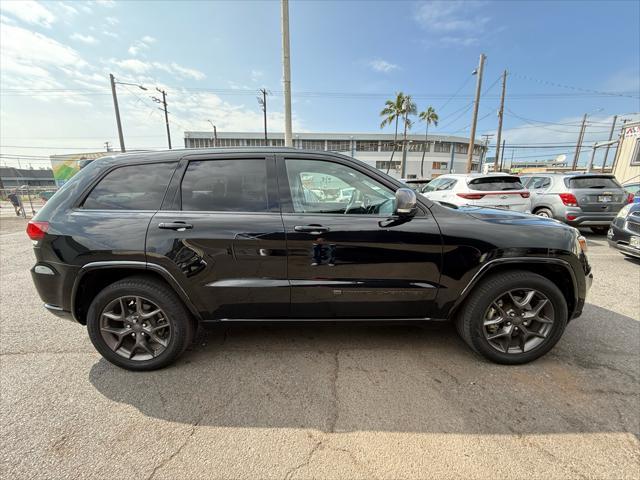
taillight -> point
(471, 196)
(569, 199)
(524, 194)
(630, 198)
(571, 217)
(36, 230)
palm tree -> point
(392, 112)
(428, 116)
(408, 108)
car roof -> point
(568, 174)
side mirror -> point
(405, 202)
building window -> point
(387, 146)
(229, 142)
(477, 149)
(338, 145)
(418, 146)
(635, 154)
(462, 148)
(442, 147)
(312, 144)
(276, 142)
(384, 165)
(439, 165)
(255, 142)
(366, 146)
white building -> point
(445, 153)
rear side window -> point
(489, 184)
(236, 185)
(539, 182)
(134, 187)
(592, 182)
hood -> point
(496, 215)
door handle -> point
(178, 226)
(313, 229)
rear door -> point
(221, 236)
(597, 193)
(348, 258)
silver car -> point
(578, 199)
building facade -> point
(626, 165)
(16, 177)
(444, 153)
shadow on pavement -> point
(416, 378)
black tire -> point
(600, 230)
(469, 319)
(181, 322)
(544, 212)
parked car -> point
(633, 188)
(142, 247)
(416, 184)
(491, 190)
(624, 234)
(578, 199)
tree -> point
(392, 111)
(428, 116)
(408, 108)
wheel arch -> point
(556, 270)
(95, 276)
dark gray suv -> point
(578, 199)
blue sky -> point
(346, 58)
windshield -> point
(592, 182)
(496, 184)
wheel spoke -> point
(123, 307)
(151, 314)
(524, 301)
(116, 331)
(143, 343)
(500, 334)
(159, 340)
(113, 316)
(139, 309)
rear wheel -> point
(513, 318)
(544, 212)
(600, 230)
(139, 323)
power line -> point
(580, 89)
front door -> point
(348, 257)
(221, 236)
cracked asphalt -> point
(321, 401)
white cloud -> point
(187, 72)
(88, 39)
(110, 34)
(106, 3)
(112, 20)
(133, 65)
(383, 66)
(453, 23)
(256, 75)
(68, 9)
(143, 44)
(30, 12)
(140, 67)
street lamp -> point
(215, 134)
(115, 105)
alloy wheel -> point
(518, 321)
(135, 328)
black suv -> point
(142, 247)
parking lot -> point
(321, 401)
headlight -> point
(624, 211)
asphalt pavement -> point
(321, 401)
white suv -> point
(491, 190)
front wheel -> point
(513, 318)
(139, 323)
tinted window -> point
(592, 182)
(236, 185)
(327, 187)
(447, 184)
(538, 183)
(495, 184)
(135, 187)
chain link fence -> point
(24, 201)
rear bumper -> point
(59, 312)
(587, 219)
(54, 286)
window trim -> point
(175, 204)
(286, 202)
(79, 203)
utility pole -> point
(606, 152)
(502, 159)
(115, 105)
(166, 114)
(262, 101)
(576, 155)
(486, 137)
(475, 112)
(286, 72)
(215, 133)
(500, 117)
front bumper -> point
(619, 238)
